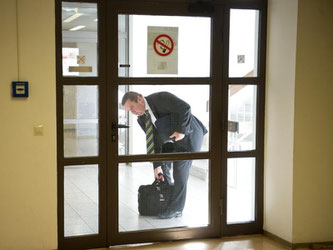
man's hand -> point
(177, 136)
(158, 171)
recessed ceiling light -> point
(77, 28)
(73, 17)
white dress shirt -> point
(153, 118)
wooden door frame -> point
(108, 81)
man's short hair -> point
(130, 95)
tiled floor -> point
(194, 214)
(81, 203)
(253, 242)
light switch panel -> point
(20, 89)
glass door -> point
(163, 65)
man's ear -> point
(139, 99)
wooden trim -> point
(163, 157)
(278, 239)
(244, 81)
(314, 245)
(108, 159)
(84, 241)
(154, 8)
(242, 154)
(258, 153)
(162, 81)
(307, 245)
(114, 236)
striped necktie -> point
(149, 134)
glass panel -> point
(243, 47)
(190, 185)
(241, 190)
(164, 46)
(80, 121)
(242, 117)
(174, 108)
(79, 39)
(123, 45)
(81, 200)
(123, 134)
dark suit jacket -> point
(173, 115)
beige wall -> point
(313, 157)
(299, 121)
(279, 132)
(28, 207)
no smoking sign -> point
(162, 50)
(163, 45)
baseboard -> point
(314, 245)
(310, 245)
(278, 239)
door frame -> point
(108, 81)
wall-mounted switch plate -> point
(39, 130)
(20, 89)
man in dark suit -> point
(175, 130)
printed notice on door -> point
(162, 50)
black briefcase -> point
(153, 199)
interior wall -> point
(313, 158)
(279, 117)
(28, 207)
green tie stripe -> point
(149, 134)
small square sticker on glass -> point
(240, 58)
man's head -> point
(134, 102)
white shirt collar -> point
(153, 118)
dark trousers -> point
(181, 171)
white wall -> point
(279, 130)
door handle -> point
(115, 126)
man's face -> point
(137, 108)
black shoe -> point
(171, 214)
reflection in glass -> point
(189, 56)
(123, 45)
(79, 39)
(243, 43)
(80, 121)
(242, 117)
(241, 190)
(123, 133)
(197, 96)
(196, 210)
(81, 200)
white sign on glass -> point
(162, 50)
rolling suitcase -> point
(153, 199)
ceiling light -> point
(96, 20)
(73, 17)
(77, 28)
